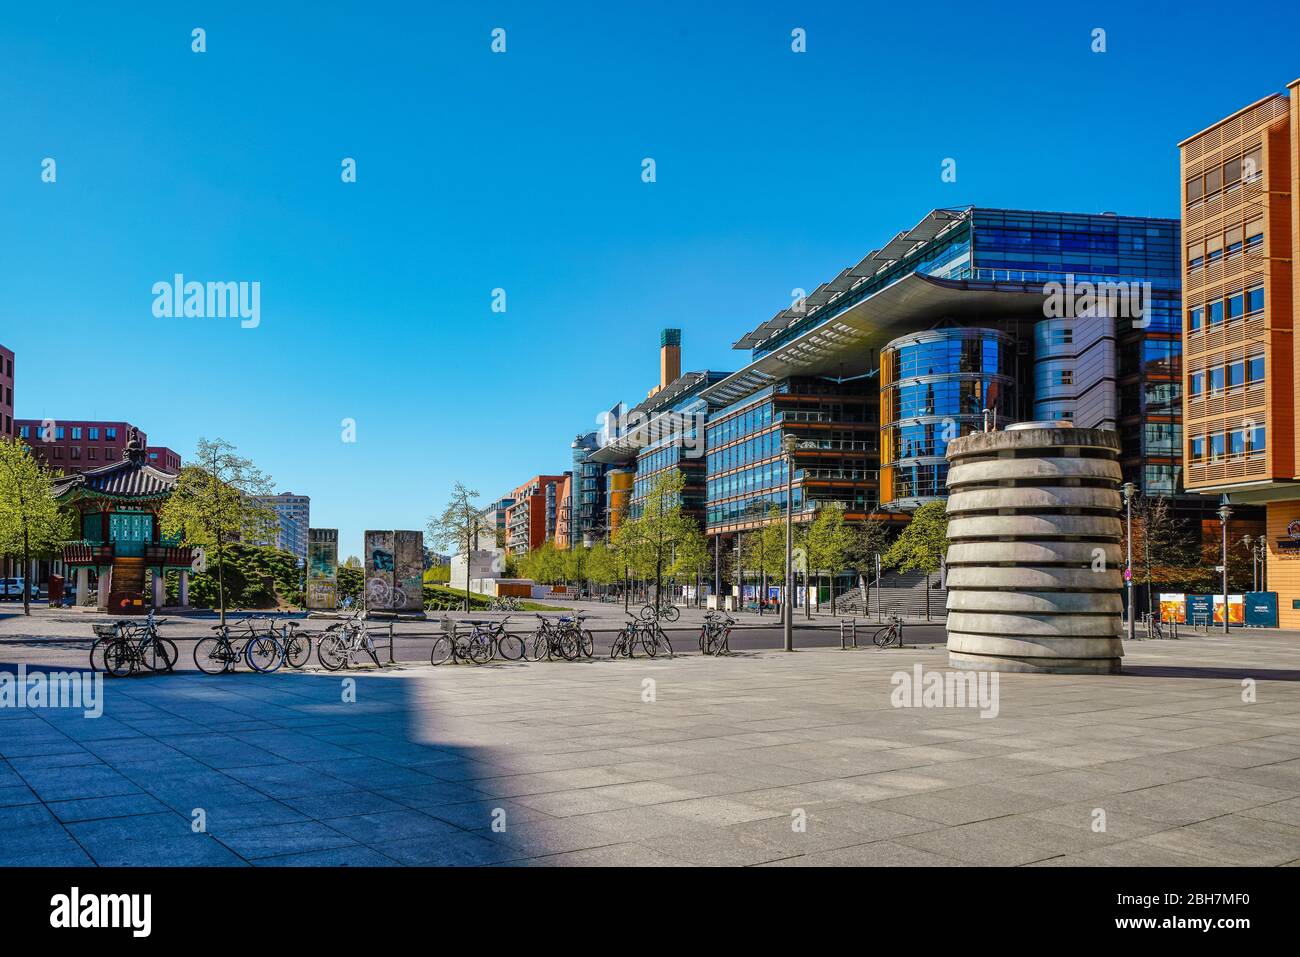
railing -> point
(180, 556)
(834, 445)
(845, 475)
(87, 553)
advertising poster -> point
(1236, 610)
(1173, 607)
(322, 568)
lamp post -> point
(1225, 513)
(786, 606)
(1254, 560)
(1128, 489)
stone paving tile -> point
(963, 805)
(460, 849)
(73, 783)
(1283, 812)
(878, 854)
(387, 826)
(91, 809)
(275, 839)
(613, 855)
(351, 856)
(1233, 839)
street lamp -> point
(1128, 489)
(1225, 513)
(788, 443)
(1254, 560)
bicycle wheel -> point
(480, 648)
(119, 658)
(883, 637)
(264, 654)
(586, 643)
(332, 652)
(648, 643)
(619, 647)
(297, 651)
(672, 613)
(662, 642)
(97, 653)
(541, 646)
(163, 655)
(647, 612)
(212, 656)
(511, 647)
(441, 650)
(569, 646)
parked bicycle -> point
(1158, 629)
(664, 611)
(297, 646)
(891, 634)
(715, 633)
(343, 640)
(508, 603)
(477, 645)
(638, 631)
(222, 652)
(125, 647)
(562, 637)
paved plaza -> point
(763, 758)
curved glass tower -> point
(934, 387)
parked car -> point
(11, 589)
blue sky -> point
(522, 171)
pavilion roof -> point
(127, 478)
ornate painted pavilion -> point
(118, 506)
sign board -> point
(1173, 607)
(1236, 610)
(1261, 609)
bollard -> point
(391, 659)
(855, 633)
(843, 647)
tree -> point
(352, 562)
(868, 541)
(603, 566)
(459, 526)
(648, 543)
(764, 550)
(827, 542)
(214, 503)
(31, 521)
(923, 544)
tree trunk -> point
(27, 573)
(832, 584)
(221, 577)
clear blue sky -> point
(522, 171)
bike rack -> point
(853, 632)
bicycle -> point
(342, 640)
(125, 647)
(715, 634)
(509, 603)
(563, 637)
(220, 653)
(891, 634)
(648, 634)
(478, 646)
(297, 647)
(664, 611)
(1158, 629)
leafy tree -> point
(351, 583)
(827, 542)
(31, 522)
(253, 576)
(573, 564)
(437, 575)
(352, 562)
(214, 503)
(649, 543)
(867, 540)
(459, 525)
(603, 567)
(923, 544)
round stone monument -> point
(1034, 560)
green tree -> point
(351, 583)
(459, 526)
(214, 503)
(603, 567)
(31, 522)
(827, 541)
(923, 544)
(573, 562)
(649, 543)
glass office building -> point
(935, 387)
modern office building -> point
(665, 433)
(533, 517)
(1022, 313)
(293, 520)
(494, 517)
(77, 445)
(8, 429)
(583, 500)
(1241, 237)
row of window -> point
(60, 433)
(1227, 244)
(1226, 378)
(74, 452)
(1246, 442)
(1226, 177)
(746, 423)
(1239, 305)
(759, 478)
(751, 509)
(946, 397)
(744, 453)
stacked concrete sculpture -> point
(1034, 561)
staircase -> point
(903, 595)
(128, 582)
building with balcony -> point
(533, 517)
(293, 521)
(1241, 237)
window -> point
(1236, 306)
(76, 432)
(1213, 181)
(110, 434)
(1195, 189)
(25, 431)
(58, 432)
(1232, 172)
(92, 453)
(1252, 165)
(1255, 232)
(58, 451)
(1232, 240)
(1195, 255)
(1237, 443)
(1195, 384)
(1236, 375)
(1213, 248)
(1063, 377)
(1195, 318)
(1198, 448)
(1216, 447)
(1255, 369)
(1255, 440)
(1254, 300)
(93, 434)
(75, 451)
(1216, 312)
(1216, 380)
